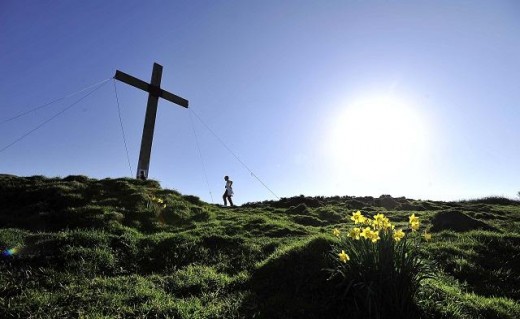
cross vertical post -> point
(155, 92)
(149, 124)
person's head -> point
(226, 178)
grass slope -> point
(122, 248)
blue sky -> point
(407, 98)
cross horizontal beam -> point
(153, 90)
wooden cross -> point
(155, 92)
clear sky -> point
(408, 98)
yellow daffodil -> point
(414, 222)
(374, 236)
(343, 256)
(366, 233)
(355, 233)
(414, 219)
(379, 218)
(427, 236)
(336, 232)
(398, 235)
(358, 218)
(381, 222)
(370, 234)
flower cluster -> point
(373, 228)
(372, 257)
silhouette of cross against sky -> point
(154, 93)
(408, 98)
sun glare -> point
(378, 138)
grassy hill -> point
(122, 248)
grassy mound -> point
(457, 221)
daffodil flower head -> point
(378, 221)
(336, 232)
(414, 222)
(358, 218)
(343, 256)
(427, 236)
(379, 218)
(355, 233)
(366, 233)
(414, 219)
(382, 222)
(398, 235)
(374, 236)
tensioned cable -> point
(201, 158)
(52, 118)
(52, 102)
(232, 153)
(122, 129)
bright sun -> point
(378, 138)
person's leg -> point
(230, 201)
(224, 197)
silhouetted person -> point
(229, 191)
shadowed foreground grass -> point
(123, 248)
